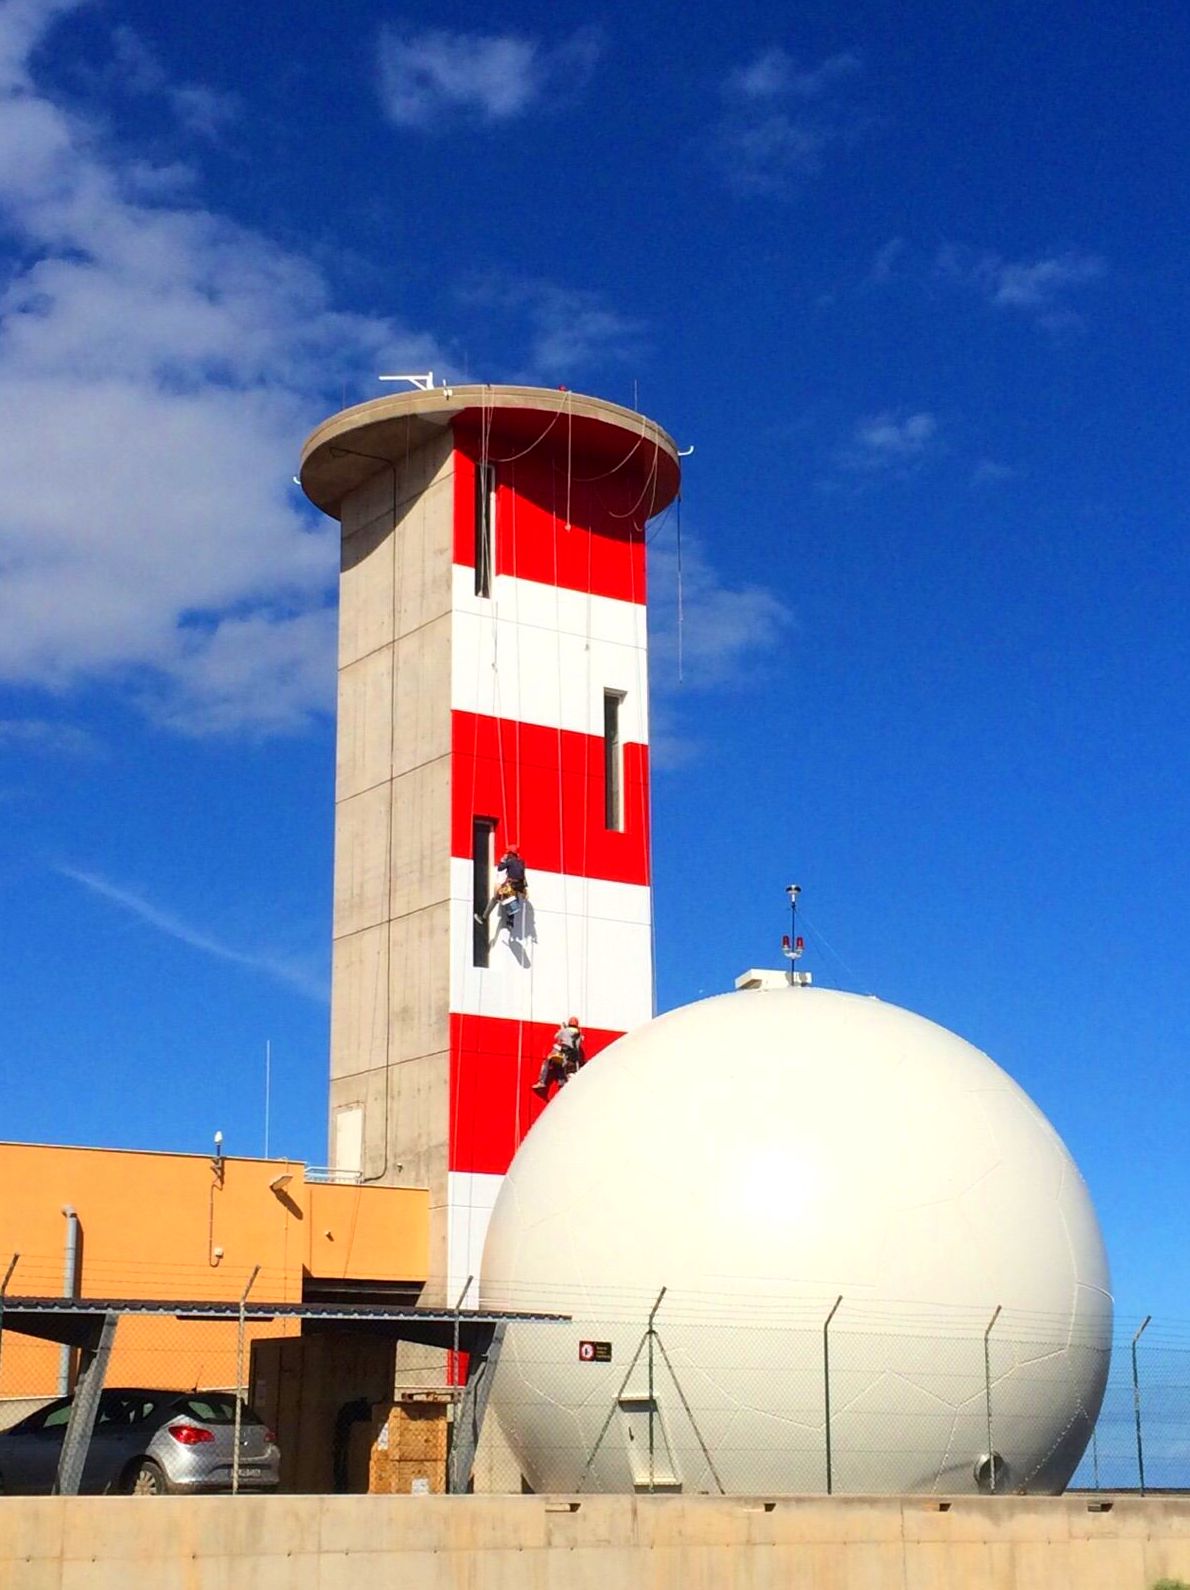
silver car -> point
(146, 1442)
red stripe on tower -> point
(492, 575)
(493, 1065)
(581, 534)
(546, 789)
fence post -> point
(1140, 1448)
(12, 1264)
(826, 1388)
(240, 1389)
(651, 1336)
(454, 1363)
(987, 1389)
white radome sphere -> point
(760, 1155)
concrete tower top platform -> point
(344, 450)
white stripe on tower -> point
(545, 655)
(538, 655)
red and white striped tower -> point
(493, 690)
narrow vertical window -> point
(482, 829)
(485, 527)
(613, 761)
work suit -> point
(510, 891)
(564, 1059)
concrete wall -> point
(390, 982)
(598, 1543)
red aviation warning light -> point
(793, 945)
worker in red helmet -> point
(564, 1059)
(511, 891)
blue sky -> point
(913, 286)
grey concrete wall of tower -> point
(390, 985)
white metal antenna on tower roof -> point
(423, 383)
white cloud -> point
(198, 109)
(774, 72)
(705, 635)
(886, 260)
(782, 120)
(279, 968)
(431, 76)
(888, 442)
(285, 663)
(1037, 287)
(158, 364)
(1034, 284)
(564, 330)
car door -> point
(29, 1452)
(118, 1438)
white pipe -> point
(70, 1288)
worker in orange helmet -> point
(564, 1059)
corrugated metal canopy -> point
(77, 1321)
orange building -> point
(102, 1223)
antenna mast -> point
(793, 945)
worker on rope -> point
(564, 1059)
(511, 891)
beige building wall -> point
(390, 1021)
(613, 1542)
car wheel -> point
(146, 1479)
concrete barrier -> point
(592, 1543)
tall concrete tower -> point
(493, 690)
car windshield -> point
(213, 1407)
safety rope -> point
(504, 524)
(562, 873)
(650, 486)
(640, 597)
(512, 458)
(587, 480)
(481, 504)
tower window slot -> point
(613, 761)
(485, 527)
(482, 831)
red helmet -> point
(573, 1022)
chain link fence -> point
(932, 1402)
(700, 1399)
(746, 1408)
(149, 1352)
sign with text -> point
(595, 1352)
